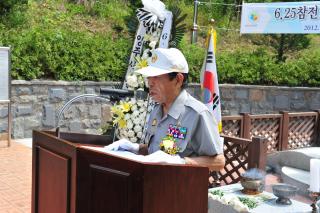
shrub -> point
(244, 67)
(66, 55)
(194, 55)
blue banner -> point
(282, 17)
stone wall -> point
(35, 104)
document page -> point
(156, 157)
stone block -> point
(297, 95)
(95, 111)
(23, 110)
(23, 90)
(71, 89)
(83, 110)
(297, 105)
(256, 95)
(4, 126)
(40, 90)
(32, 122)
(86, 123)
(90, 91)
(18, 127)
(71, 112)
(49, 116)
(196, 92)
(75, 126)
(78, 100)
(57, 94)
(245, 107)
(315, 101)
(28, 133)
(282, 102)
(261, 107)
(28, 99)
(241, 94)
(106, 114)
(227, 93)
(3, 112)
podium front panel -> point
(53, 180)
(108, 184)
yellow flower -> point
(141, 63)
(115, 110)
(122, 123)
(125, 106)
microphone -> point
(116, 94)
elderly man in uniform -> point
(177, 113)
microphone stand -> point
(66, 106)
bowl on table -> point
(253, 181)
(284, 192)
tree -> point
(285, 43)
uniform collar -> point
(177, 106)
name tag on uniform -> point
(177, 131)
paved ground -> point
(15, 178)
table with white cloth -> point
(268, 204)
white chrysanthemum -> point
(130, 134)
(137, 128)
(143, 114)
(134, 107)
(129, 124)
(239, 206)
(153, 44)
(133, 139)
(139, 134)
(141, 81)
(133, 101)
(142, 109)
(214, 197)
(127, 116)
(140, 103)
(142, 121)
(233, 200)
(132, 81)
(123, 132)
(145, 54)
(136, 113)
(137, 121)
(225, 200)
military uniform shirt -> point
(186, 113)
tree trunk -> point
(281, 48)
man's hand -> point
(123, 144)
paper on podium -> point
(156, 157)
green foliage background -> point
(63, 40)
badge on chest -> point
(177, 131)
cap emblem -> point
(154, 58)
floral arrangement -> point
(130, 116)
(169, 145)
(239, 203)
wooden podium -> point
(69, 178)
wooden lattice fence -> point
(283, 131)
(242, 154)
